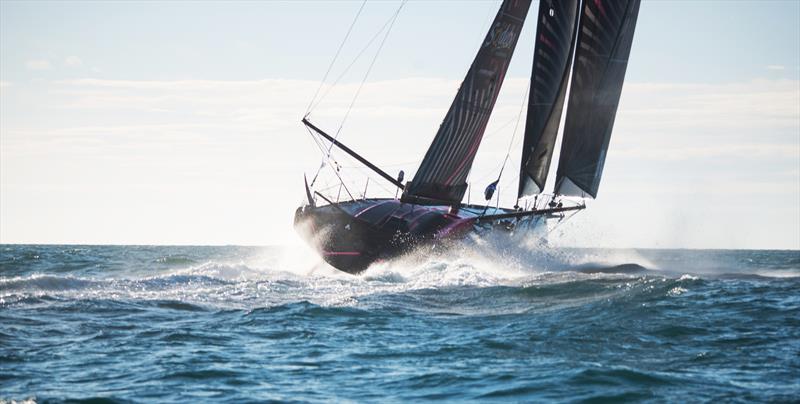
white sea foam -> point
(779, 274)
(277, 276)
(274, 276)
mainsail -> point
(552, 58)
(604, 43)
(442, 175)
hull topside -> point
(352, 235)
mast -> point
(603, 46)
(552, 59)
(441, 177)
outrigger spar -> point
(355, 155)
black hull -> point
(352, 235)
(347, 244)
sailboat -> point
(580, 57)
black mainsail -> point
(552, 58)
(442, 174)
(603, 46)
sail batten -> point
(601, 59)
(442, 174)
(555, 39)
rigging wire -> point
(363, 172)
(334, 166)
(511, 144)
(561, 222)
(514, 135)
(369, 69)
(336, 56)
(389, 23)
(322, 151)
(403, 164)
(318, 142)
(353, 62)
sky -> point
(179, 122)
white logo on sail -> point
(501, 37)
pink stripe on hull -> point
(348, 253)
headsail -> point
(552, 58)
(443, 172)
(604, 43)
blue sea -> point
(233, 324)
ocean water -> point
(232, 324)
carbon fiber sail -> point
(442, 174)
(552, 58)
(604, 44)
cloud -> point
(4, 84)
(38, 64)
(776, 67)
(668, 122)
(73, 61)
(756, 106)
(668, 152)
(183, 138)
(662, 106)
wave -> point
(439, 286)
(470, 278)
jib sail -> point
(604, 43)
(552, 59)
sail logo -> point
(501, 36)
